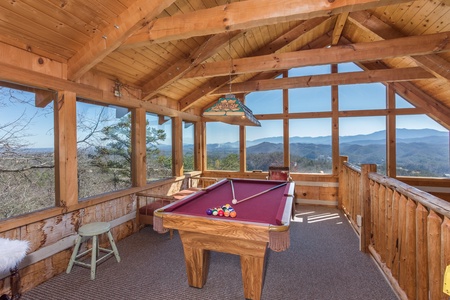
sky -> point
(316, 99)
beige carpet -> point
(323, 262)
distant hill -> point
(421, 152)
(378, 137)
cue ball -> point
(234, 201)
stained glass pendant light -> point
(231, 110)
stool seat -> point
(92, 229)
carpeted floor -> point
(323, 262)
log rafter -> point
(388, 75)
(278, 44)
(378, 50)
(432, 62)
(202, 53)
(234, 16)
(135, 17)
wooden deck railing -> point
(406, 230)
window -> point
(422, 147)
(400, 102)
(159, 147)
(362, 96)
(188, 146)
(222, 146)
(363, 140)
(311, 99)
(103, 148)
(267, 102)
(27, 173)
(310, 145)
(348, 67)
(305, 71)
(265, 145)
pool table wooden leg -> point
(197, 264)
(252, 275)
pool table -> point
(262, 220)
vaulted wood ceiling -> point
(183, 53)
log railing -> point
(349, 185)
(406, 230)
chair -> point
(283, 174)
(279, 173)
(93, 230)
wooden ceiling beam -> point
(139, 14)
(235, 16)
(337, 32)
(38, 80)
(388, 75)
(377, 50)
(285, 41)
(432, 62)
(174, 72)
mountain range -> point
(379, 137)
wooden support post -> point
(342, 181)
(242, 150)
(138, 147)
(335, 125)
(242, 146)
(65, 119)
(199, 146)
(177, 146)
(364, 194)
(391, 140)
(286, 136)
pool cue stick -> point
(232, 190)
(260, 193)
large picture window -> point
(310, 145)
(27, 169)
(363, 140)
(265, 145)
(222, 146)
(422, 147)
(103, 149)
(159, 147)
(188, 146)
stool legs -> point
(74, 254)
(95, 253)
(94, 256)
(113, 246)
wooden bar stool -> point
(93, 230)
